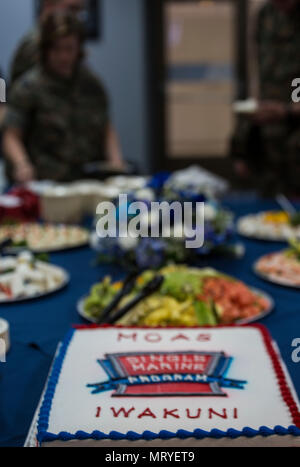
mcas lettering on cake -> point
(116, 457)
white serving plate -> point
(63, 284)
(252, 226)
(272, 279)
(13, 250)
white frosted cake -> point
(113, 386)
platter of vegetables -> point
(186, 297)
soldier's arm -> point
(17, 119)
(259, 38)
(113, 148)
(15, 152)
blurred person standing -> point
(26, 55)
(266, 145)
(57, 118)
(2, 98)
(2, 114)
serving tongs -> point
(128, 285)
(286, 205)
(149, 289)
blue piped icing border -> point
(43, 421)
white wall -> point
(118, 58)
(16, 17)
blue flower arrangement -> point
(152, 252)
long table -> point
(38, 326)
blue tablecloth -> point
(38, 326)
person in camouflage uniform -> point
(57, 118)
(267, 144)
(27, 53)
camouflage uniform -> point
(273, 149)
(64, 122)
(26, 55)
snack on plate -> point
(24, 277)
(44, 237)
(176, 387)
(272, 225)
(187, 297)
(282, 267)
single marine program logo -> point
(2, 90)
(161, 374)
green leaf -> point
(205, 314)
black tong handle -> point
(128, 285)
(149, 289)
